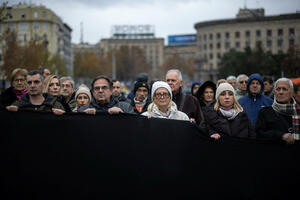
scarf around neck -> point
(19, 93)
(229, 114)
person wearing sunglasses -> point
(241, 86)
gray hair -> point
(177, 71)
(285, 80)
(241, 76)
(230, 78)
(67, 78)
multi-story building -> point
(33, 22)
(152, 47)
(214, 38)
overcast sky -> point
(170, 17)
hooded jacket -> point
(252, 104)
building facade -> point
(214, 38)
(39, 23)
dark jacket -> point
(200, 92)
(8, 97)
(50, 102)
(240, 126)
(126, 107)
(271, 124)
(144, 108)
(252, 104)
(70, 105)
(189, 105)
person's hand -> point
(288, 138)
(192, 120)
(216, 136)
(12, 108)
(58, 111)
(115, 110)
(90, 111)
(148, 116)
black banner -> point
(77, 156)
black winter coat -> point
(240, 126)
(8, 97)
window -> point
(200, 37)
(247, 34)
(291, 32)
(237, 34)
(227, 45)
(23, 16)
(35, 14)
(23, 26)
(211, 36)
(218, 35)
(12, 26)
(218, 55)
(247, 44)
(269, 43)
(211, 46)
(237, 45)
(279, 43)
(204, 37)
(258, 33)
(36, 37)
(280, 32)
(211, 56)
(204, 47)
(218, 45)
(45, 26)
(269, 33)
(227, 35)
(291, 42)
(35, 25)
(44, 14)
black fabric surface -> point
(76, 156)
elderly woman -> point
(83, 97)
(52, 85)
(228, 118)
(206, 94)
(17, 89)
(162, 105)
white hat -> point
(83, 89)
(223, 87)
(160, 84)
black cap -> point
(139, 84)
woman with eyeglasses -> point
(162, 105)
(228, 118)
(17, 89)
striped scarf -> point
(290, 110)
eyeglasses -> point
(19, 80)
(241, 82)
(98, 88)
(164, 95)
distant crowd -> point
(245, 106)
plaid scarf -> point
(290, 110)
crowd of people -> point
(244, 106)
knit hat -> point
(223, 87)
(83, 89)
(160, 84)
(139, 84)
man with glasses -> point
(255, 100)
(35, 99)
(103, 101)
(67, 91)
(241, 86)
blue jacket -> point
(252, 104)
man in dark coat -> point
(117, 91)
(280, 121)
(185, 102)
(103, 101)
(141, 101)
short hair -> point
(110, 83)
(241, 76)
(47, 81)
(177, 71)
(230, 78)
(16, 72)
(67, 78)
(35, 72)
(284, 80)
(268, 78)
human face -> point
(162, 98)
(226, 99)
(46, 73)
(141, 94)
(233, 83)
(66, 88)
(208, 94)
(116, 91)
(255, 87)
(82, 100)
(54, 87)
(34, 84)
(101, 91)
(19, 82)
(242, 84)
(283, 92)
(172, 79)
(195, 89)
(268, 87)
(297, 96)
